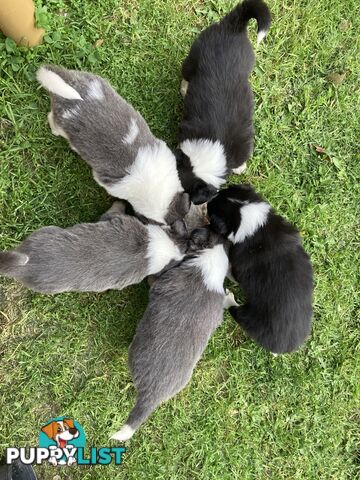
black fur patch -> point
(219, 101)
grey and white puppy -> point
(196, 217)
(114, 139)
(111, 254)
(185, 307)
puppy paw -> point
(184, 87)
(240, 170)
(123, 434)
(117, 207)
(229, 300)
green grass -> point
(245, 415)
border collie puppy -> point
(111, 254)
(114, 139)
(216, 133)
(185, 307)
(269, 263)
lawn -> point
(245, 415)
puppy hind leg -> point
(249, 319)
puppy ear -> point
(179, 228)
(49, 430)
(185, 204)
(218, 225)
(200, 237)
(201, 192)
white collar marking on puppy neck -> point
(213, 263)
(253, 216)
(151, 183)
(161, 249)
(207, 159)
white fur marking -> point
(207, 159)
(71, 113)
(55, 84)
(161, 249)
(261, 35)
(123, 434)
(253, 216)
(229, 300)
(213, 263)
(55, 129)
(67, 114)
(133, 132)
(73, 148)
(24, 259)
(240, 170)
(151, 183)
(184, 87)
(95, 90)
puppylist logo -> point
(62, 442)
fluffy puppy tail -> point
(11, 261)
(141, 411)
(56, 81)
(238, 18)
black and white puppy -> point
(111, 254)
(114, 139)
(216, 133)
(185, 307)
(269, 263)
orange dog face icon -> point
(61, 431)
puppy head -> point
(196, 217)
(178, 208)
(201, 192)
(178, 233)
(202, 238)
(224, 211)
